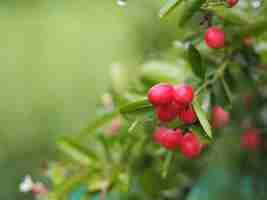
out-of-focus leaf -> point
(202, 118)
(119, 77)
(65, 188)
(76, 151)
(189, 8)
(97, 183)
(100, 121)
(138, 105)
(229, 16)
(154, 72)
(168, 7)
(196, 62)
(255, 28)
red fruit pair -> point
(184, 95)
(219, 117)
(171, 101)
(190, 145)
(168, 138)
(251, 139)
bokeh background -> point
(54, 66)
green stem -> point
(218, 73)
(166, 164)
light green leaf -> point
(229, 16)
(100, 121)
(202, 118)
(76, 151)
(138, 105)
(154, 72)
(189, 8)
(197, 129)
(168, 7)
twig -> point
(218, 73)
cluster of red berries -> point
(172, 101)
(189, 143)
(214, 36)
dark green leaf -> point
(196, 62)
(168, 7)
(202, 118)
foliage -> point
(115, 156)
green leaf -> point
(168, 7)
(202, 118)
(76, 151)
(190, 7)
(257, 28)
(229, 16)
(139, 105)
(196, 62)
(201, 133)
(62, 191)
(154, 72)
(100, 121)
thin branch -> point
(218, 73)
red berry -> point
(172, 139)
(167, 112)
(160, 94)
(188, 115)
(251, 139)
(159, 134)
(219, 117)
(183, 94)
(232, 3)
(214, 37)
(190, 145)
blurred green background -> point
(54, 60)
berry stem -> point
(166, 164)
(218, 73)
